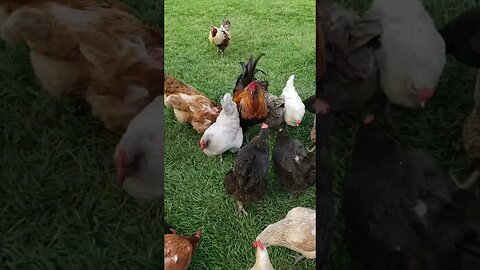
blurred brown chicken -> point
(91, 48)
(178, 250)
(471, 137)
(190, 105)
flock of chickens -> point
(224, 128)
(401, 210)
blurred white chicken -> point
(139, 154)
(262, 261)
(412, 55)
(294, 108)
(226, 133)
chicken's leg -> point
(245, 138)
(239, 207)
(298, 258)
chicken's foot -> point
(311, 150)
(239, 207)
(470, 181)
(298, 258)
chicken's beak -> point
(298, 122)
(202, 145)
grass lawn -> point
(194, 192)
(59, 205)
(436, 129)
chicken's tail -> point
(226, 25)
(289, 84)
(227, 104)
(249, 70)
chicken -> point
(462, 37)
(53, 33)
(412, 56)
(139, 154)
(247, 181)
(250, 95)
(190, 105)
(117, 94)
(293, 164)
(178, 250)
(220, 37)
(294, 109)
(275, 107)
(396, 202)
(349, 70)
(324, 185)
(7, 7)
(297, 231)
(471, 138)
(225, 134)
(105, 54)
(262, 261)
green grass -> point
(59, 205)
(436, 129)
(194, 193)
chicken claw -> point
(298, 258)
(470, 181)
(239, 207)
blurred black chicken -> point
(462, 37)
(399, 214)
(351, 77)
(293, 164)
(247, 181)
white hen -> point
(262, 261)
(226, 133)
(294, 108)
(412, 55)
(139, 154)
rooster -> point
(250, 96)
(178, 250)
(220, 37)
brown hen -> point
(178, 250)
(190, 105)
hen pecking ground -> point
(194, 192)
(59, 205)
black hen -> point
(293, 164)
(351, 77)
(247, 181)
(462, 37)
(395, 203)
